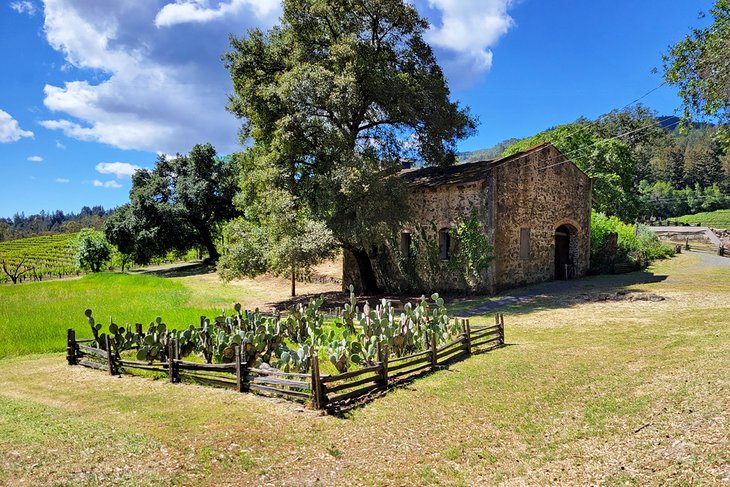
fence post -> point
(109, 355)
(433, 350)
(239, 372)
(501, 329)
(467, 334)
(317, 396)
(384, 364)
(171, 366)
(71, 347)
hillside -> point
(486, 154)
(713, 219)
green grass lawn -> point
(588, 392)
(34, 316)
(715, 219)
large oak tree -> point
(699, 67)
(332, 101)
(178, 205)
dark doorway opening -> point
(563, 264)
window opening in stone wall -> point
(524, 243)
(444, 244)
(405, 244)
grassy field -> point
(715, 219)
(34, 316)
(589, 391)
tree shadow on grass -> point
(547, 295)
(345, 409)
(180, 270)
(562, 294)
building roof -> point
(470, 172)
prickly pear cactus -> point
(288, 341)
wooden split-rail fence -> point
(322, 391)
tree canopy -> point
(699, 67)
(332, 101)
(178, 205)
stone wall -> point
(433, 210)
(538, 193)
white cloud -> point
(468, 29)
(63, 180)
(35, 159)
(120, 169)
(60, 145)
(160, 90)
(109, 184)
(191, 11)
(10, 130)
(23, 7)
(147, 74)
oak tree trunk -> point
(367, 274)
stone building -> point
(530, 212)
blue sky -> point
(91, 89)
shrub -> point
(638, 246)
(91, 250)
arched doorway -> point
(563, 262)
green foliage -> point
(50, 223)
(470, 255)
(626, 152)
(176, 206)
(288, 342)
(34, 316)
(474, 248)
(486, 154)
(698, 67)
(91, 250)
(276, 234)
(662, 200)
(333, 99)
(637, 246)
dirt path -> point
(599, 286)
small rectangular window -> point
(405, 244)
(524, 243)
(444, 244)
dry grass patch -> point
(605, 393)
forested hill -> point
(51, 223)
(486, 154)
(642, 164)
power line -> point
(584, 148)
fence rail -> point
(322, 390)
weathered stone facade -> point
(533, 207)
